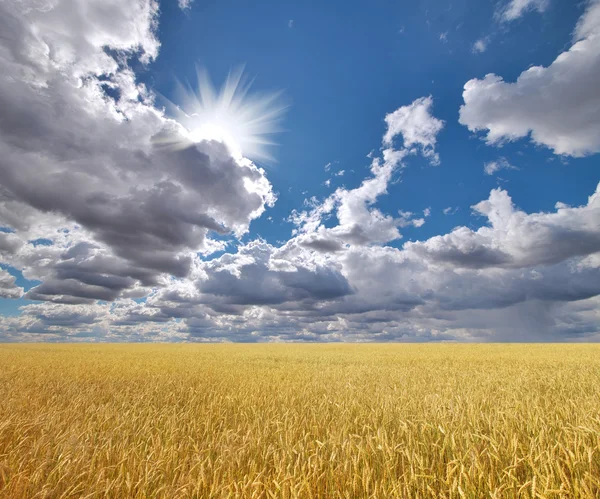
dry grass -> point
(299, 421)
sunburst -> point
(245, 122)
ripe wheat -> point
(287, 421)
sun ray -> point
(244, 121)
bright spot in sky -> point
(208, 131)
(243, 121)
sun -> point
(245, 122)
(210, 131)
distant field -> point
(299, 421)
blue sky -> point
(148, 236)
(343, 66)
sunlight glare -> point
(243, 121)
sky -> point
(233, 170)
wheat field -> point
(299, 421)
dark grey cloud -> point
(248, 278)
(324, 245)
(9, 243)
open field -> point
(299, 421)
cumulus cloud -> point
(255, 275)
(530, 263)
(524, 276)
(417, 127)
(558, 105)
(407, 219)
(521, 277)
(8, 288)
(360, 222)
(83, 143)
(514, 239)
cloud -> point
(184, 4)
(8, 288)
(255, 275)
(517, 240)
(407, 219)
(417, 127)
(480, 46)
(558, 105)
(516, 8)
(522, 277)
(9, 243)
(47, 321)
(501, 163)
(423, 291)
(118, 232)
(144, 208)
(359, 221)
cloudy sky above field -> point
(380, 171)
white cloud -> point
(291, 23)
(501, 163)
(184, 4)
(407, 219)
(417, 127)
(359, 221)
(444, 37)
(480, 46)
(516, 8)
(515, 239)
(558, 105)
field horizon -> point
(299, 420)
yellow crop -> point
(299, 421)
